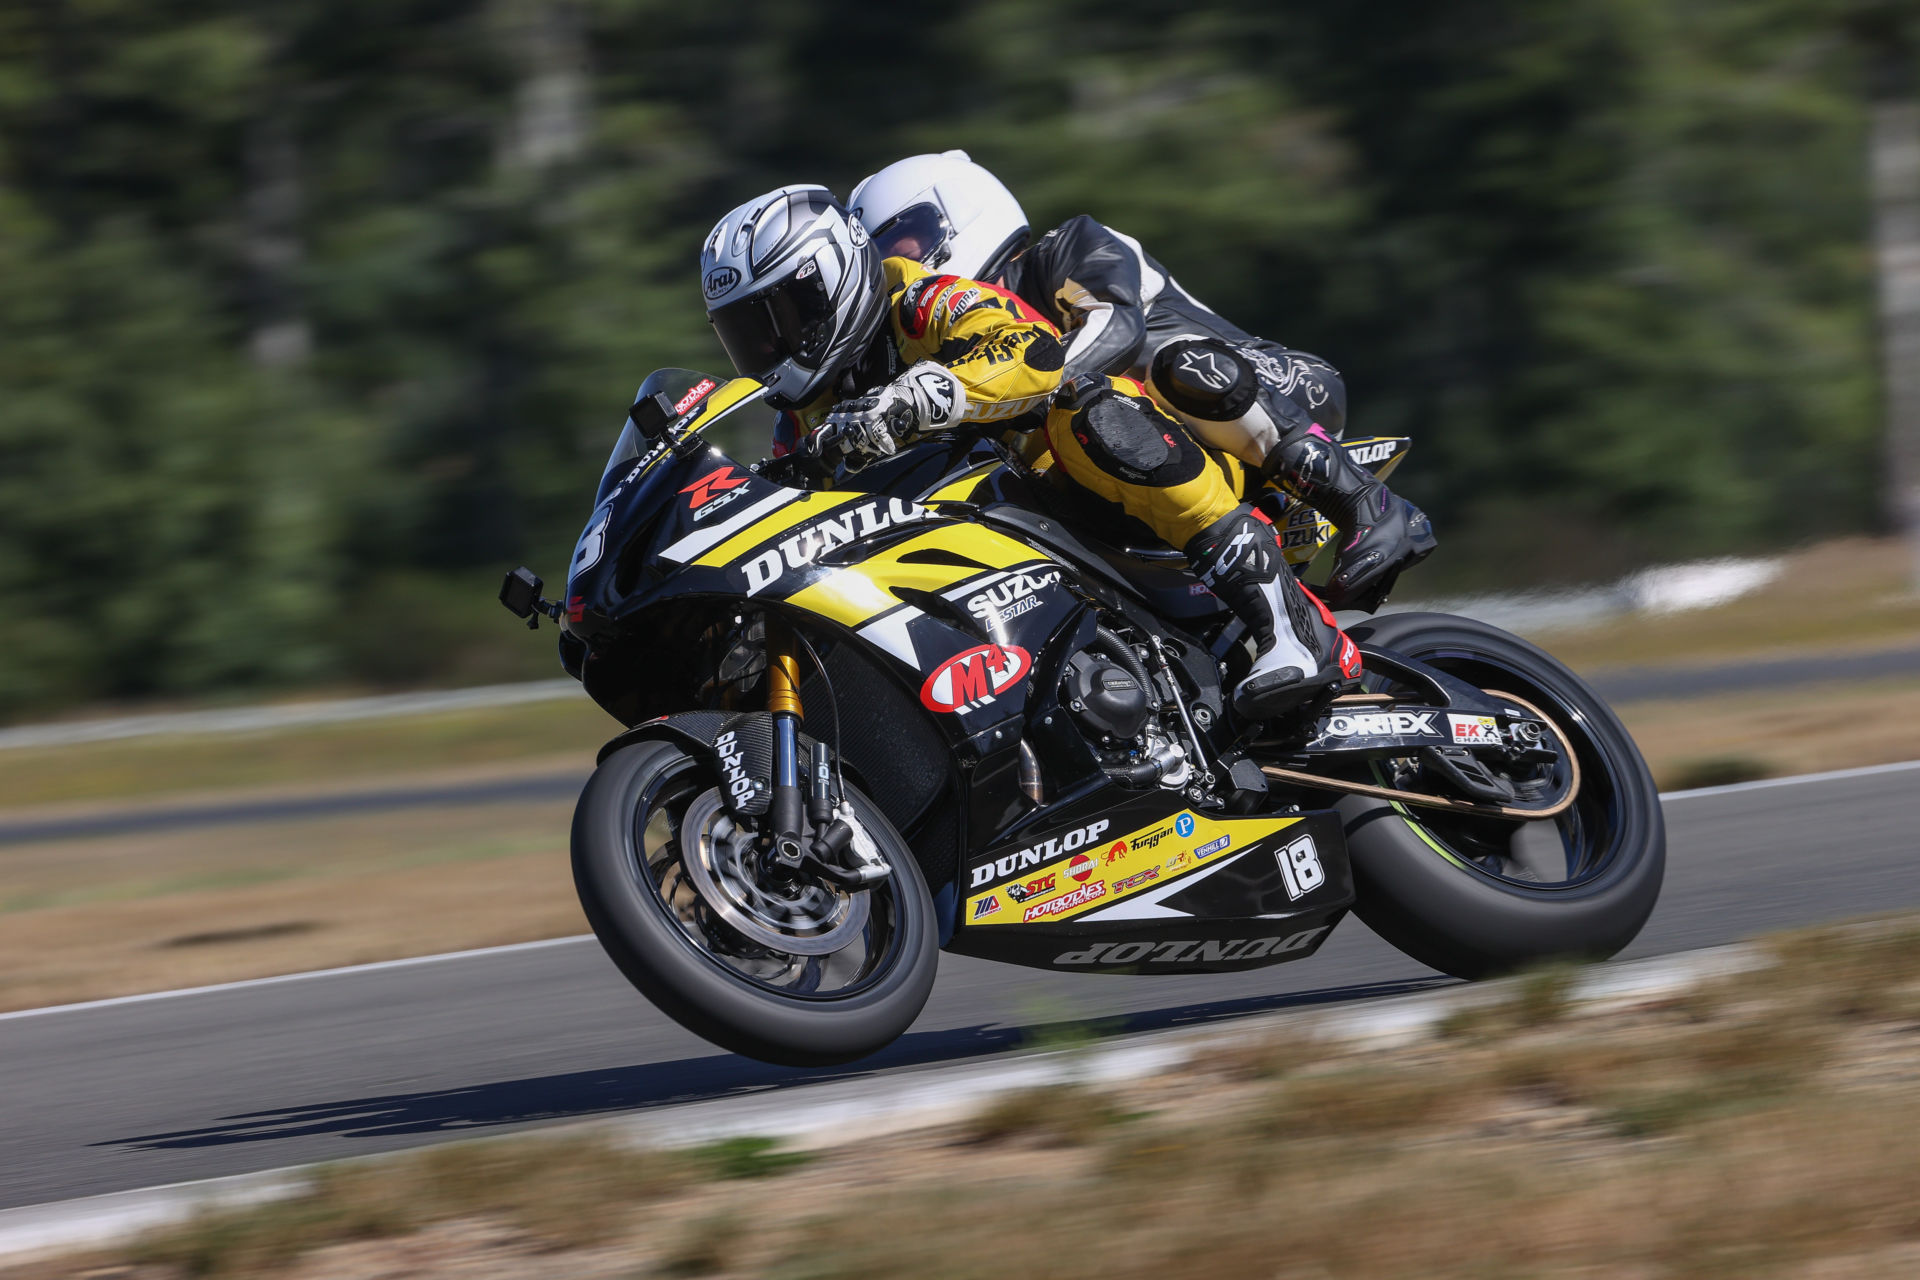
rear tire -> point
(1419, 891)
(697, 988)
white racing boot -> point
(1299, 653)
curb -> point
(825, 1115)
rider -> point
(1271, 407)
(870, 353)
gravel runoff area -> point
(1744, 1111)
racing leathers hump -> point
(1117, 306)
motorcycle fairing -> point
(1131, 868)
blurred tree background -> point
(315, 315)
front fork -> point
(789, 816)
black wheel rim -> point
(655, 862)
(1562, 854)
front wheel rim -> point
(658, 865)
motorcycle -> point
(921, 707)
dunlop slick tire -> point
(694, 989)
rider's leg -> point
(1218, 389)
(1112, 441)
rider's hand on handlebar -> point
(925, 396)
(865, 428)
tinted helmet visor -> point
(919, 232)
(791, 321)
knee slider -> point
(1204, 378)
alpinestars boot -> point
(1299, 654)
(1384, 534)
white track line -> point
(1696, 793)
(405, 962)
(288, 715)
(1763, 784)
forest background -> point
(316, 315)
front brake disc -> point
(817, 919)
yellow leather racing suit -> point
(1108, 437)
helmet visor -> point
(792, 320)
(919, 232)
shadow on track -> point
(579, 1094)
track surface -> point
(257, 1076)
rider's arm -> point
(1094, 276)
(1005, 357)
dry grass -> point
(1768, 734)
(85, 919)
(1850, 594)
(557, 734)
(1756, 1127)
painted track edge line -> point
(240, 984)
(1764, 784)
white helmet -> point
(794, 291)
(945, 212)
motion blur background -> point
(317, 314)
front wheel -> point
(788, 970)
(1475, 896)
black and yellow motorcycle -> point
(925, 708)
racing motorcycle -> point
(874, 716)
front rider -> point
(871, 353)
(1271, 407)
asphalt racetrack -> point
(148, 1091)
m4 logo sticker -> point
(970, 679)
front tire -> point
(1475, 897)
(804, 1009)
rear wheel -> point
(1475, 896)
(787, 968)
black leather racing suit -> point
(1117, 307)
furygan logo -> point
(822, 536)
(1013, 863)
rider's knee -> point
(1218, 391)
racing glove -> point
(925, 397)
